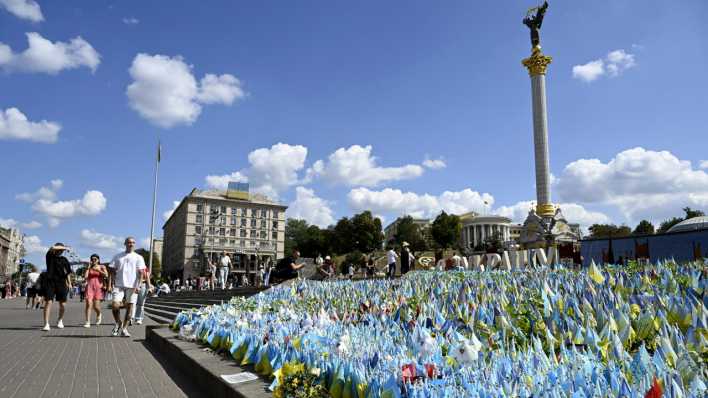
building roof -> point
(487, 219)
(692, 224)
(218, 194)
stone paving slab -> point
(80, 362)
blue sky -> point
(223, 83)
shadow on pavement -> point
(183, 381)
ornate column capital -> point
(537, 62)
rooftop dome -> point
(692, 224)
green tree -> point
(408, 231)
(446, 230)
(667, 224)
(342, 239)
(366, 232)
(295, 234)
(355, 257)
(644, 228)
(493, 243)
(690, 213)
(609, 231)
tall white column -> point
(536, 65)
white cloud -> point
(272, 170)
(355, 166)
(91, 204)
(25, 9)
(573, 212)
(612, 65)
(33, 244)
(97, 240)
(8, 223)
(32, 225)
(703, 165)
(49, 193)
(640, 183)
(166, 215)
(398, 202)
(14, 125)
(434, 164)
(590, 71)
(165, 92)
(222, 181)
(145, 243)
(310, 207)
(131, 21)
(43, 56)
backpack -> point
(40, 281)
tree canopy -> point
(408, 231)
(362, 232)
(644, 228)
(446, 230)
(609, 231)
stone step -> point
(175, 304)
(165, 314)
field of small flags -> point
(635, 331)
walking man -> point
(224, 264)
(126, 269)
(391, 257)
(56, 283)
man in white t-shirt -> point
(391, 257)
(224, 264)
(125, 270)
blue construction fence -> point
(681, 246)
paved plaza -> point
(79, 362)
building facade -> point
(11, 251)
(250, 228)
(476, 229)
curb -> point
(204, 368)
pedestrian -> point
(93, 287)
(405, 258)
(351, 271)
(370, 268)
(269, 269)
(212, 274)
(32, 279)
(456, 261)
(125, 269)
(56, 284)
(224, 265)
(287, 268)
(325, 270)
(145, 288)
(391, 257)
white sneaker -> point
(139, 322)
(98, 320)
(124, 332)
(87, 324)
(46, 327)
(60, 324)
(115, 331)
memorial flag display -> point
(602, 332)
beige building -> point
(250, 228)
(11, 250)
(157, 244)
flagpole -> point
(154, 202)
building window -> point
(233, 211)
(232, 231)
(223, 209)
(198, 229)
(222, 241)
(212, 219)
(233, 220)
(275, 235)
(253, 233)
(243, 233)
(243, 222)
(264, 234)
(222, 231)
(208, 241)
(253, 223)
(223, 220)
(252, 243)
(232, 242)
(243, 212)
(264, 213)
(275, 225)
(200, 208)
(211, 230)
(200, 219)
(243, 243)
(275, 214)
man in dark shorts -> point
(56, 284)
(287, 268)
